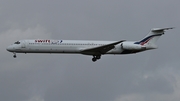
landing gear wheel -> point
(94, 59)
(14, 56)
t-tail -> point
(150, 40)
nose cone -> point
(9, 48)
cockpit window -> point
(17, 42)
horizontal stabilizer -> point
(160, 29)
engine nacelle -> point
(132, 46)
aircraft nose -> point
(9, 48)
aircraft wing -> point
(100, 49)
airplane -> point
(87, 47)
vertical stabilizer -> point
(152, 37)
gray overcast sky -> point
(148, 76)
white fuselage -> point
(60, 46)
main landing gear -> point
(14, 55)
(96, 57)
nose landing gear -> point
(96, 57)
(14, 55)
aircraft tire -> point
(14, 56)
(94, 59)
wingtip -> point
(173, 27)
(123, 40)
